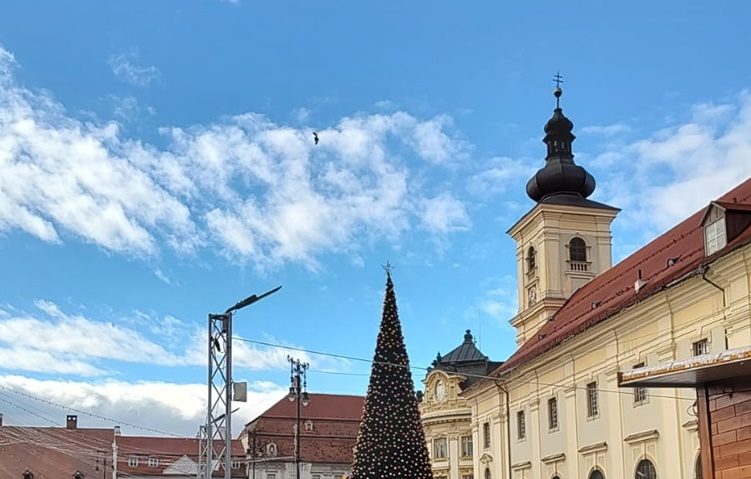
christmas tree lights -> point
(391, 441)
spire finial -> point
(388, 268)
(558, 79)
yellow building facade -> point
(553, 410)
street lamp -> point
(297, 371)
(218, 426)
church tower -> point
(564, 240)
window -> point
(645, 470)
(487, 473)
(440, 448)
(640, 394)
(270, 475)
(153, 462)
(593, 407)
(596, 474)
(714, 235)
(486, 435)
(701, 347)
(133, 461)
(316, 476)
(466, 446)
(577, 250)
(468, 476)
(521, 427)
(308, 425)
(531, 259)
(552, 414)
(235, 465)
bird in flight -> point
(315, 137)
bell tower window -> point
(577, 250)
(531, 259)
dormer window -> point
(723, 222)
(714, 236)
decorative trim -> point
(692, 425)
(642, 436)
(554, 458)
(521, 465)
(486, 459)
(597, 447)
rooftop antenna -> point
(558, 79)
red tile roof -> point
(321, 406)
(613, 291)
(335, 421)
(54, 452)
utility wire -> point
(421, 368)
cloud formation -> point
(126, 67)
(245, 186)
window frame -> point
(444, 447)
(553, 422)
(133, 461)
(649, 474)
(153, 462)
(486, 436)
(521, 425)
(593, 401)
(579, 249)
(640, 393)
(715, 236)
(531, 259)
(700, 347)
(464, 441)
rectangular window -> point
(486, 435)
(552, 414)
(153, 462)
(701, 347)
(521, 426)
(640, 394)
(714, 234)
(235, 465)
(593, 407)
(440, 448)
(270, 475)
(133, 461)
(466, 446)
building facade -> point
(553, 410)
(329, 425)
(445, 413)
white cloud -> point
(664, 178)
(126, 67)
(245, 186)
(606, 130)
(444, 213)
(497, 174)
(164, 406)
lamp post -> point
(298, 392)
(218, 427)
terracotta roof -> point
(53, 452)
(613, 291)
(321, 406)
(334, 424)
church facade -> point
(554, 410)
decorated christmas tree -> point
(391, 442)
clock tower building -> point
(565, 239)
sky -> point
(157, 164)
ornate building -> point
(553, 410)
(446, 416)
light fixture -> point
(305, 398)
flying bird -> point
(315, 137)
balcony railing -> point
(578, 265)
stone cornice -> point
(597, 447)
(642, 436)
(560, 457)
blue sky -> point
(157, 164)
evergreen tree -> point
(391, 441)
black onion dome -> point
(560, 175)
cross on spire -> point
(558, 79)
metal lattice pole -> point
(217, 447)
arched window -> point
(596, 474)
(577, 249)
(645, 470)
(531, 258)
(487, 473)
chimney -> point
(1, 419)
(117, 430)
(71, 422)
